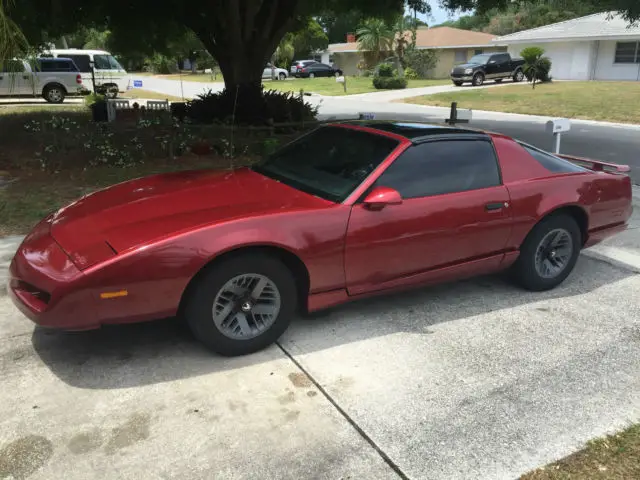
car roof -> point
(416, 131)
(77, 51)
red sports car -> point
(346, 211)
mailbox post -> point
(557, 127)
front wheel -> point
(549, 253)
(478, 79)
(282, 76)
(242, 305)
(519, 76)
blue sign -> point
(137, 83)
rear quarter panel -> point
(536, 192)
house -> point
(454, 46)
(602, 46)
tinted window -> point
(322, 66)
(330, 162)
(52, 65)
(82, 61)
(447, 166)
(551, 162)
(503, 58)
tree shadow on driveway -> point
(155, 352)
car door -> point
(266, 73)
(323, 70)
(455, 213)
(16, 79)
(492, 67)
(503, 65)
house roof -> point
(606, 25)
(437, 37)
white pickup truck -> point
(53, 82)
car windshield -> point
(106, 62)
(329, 162)
(480, 59)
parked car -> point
(52, 82)
(488, 66)
(110, 77)
(270, 72)
(374, 207)
(298, 64)
(318, 70)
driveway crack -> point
(394, 466)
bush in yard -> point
(227, 107)
(385, 70)
(422, 61)
(536, 66)
(410, 73)
(389, 83)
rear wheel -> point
(242, 305)
(478, 79)
(282, 76)
(549, 253)
(54, 94)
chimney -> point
(351, 38)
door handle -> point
(495, 206)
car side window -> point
(440, 167)
(101, 62)
(13, 66)
(551, 162)
(82, 61)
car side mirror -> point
(492, 61)
(380, 197)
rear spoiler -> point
(596, 165)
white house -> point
(602, 46)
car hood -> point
(132, 213)
(467, 65)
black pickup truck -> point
(488, 66)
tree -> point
(310, 38)
(374, 39)
(536, 66)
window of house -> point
(627, 52)
(478, 51)
(447, 166)
(460, 56)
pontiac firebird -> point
(346, 211)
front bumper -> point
(46, 286)
(461, 78)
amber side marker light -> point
(107, 295)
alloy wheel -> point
(553, 253)
(246, 306)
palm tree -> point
(12, 41)
(536, 67)
(374, 38)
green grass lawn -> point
(616, 457)
(606, 101)
(322, 86)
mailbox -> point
(340, 79)
(558, 125)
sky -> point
(438, 15)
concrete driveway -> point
(476, 379)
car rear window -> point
(551, 162)
(329, 162)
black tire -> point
(199, 307)
(458, 84)
(518, 76)
(524, 270)
(111, 91)
(498, 80)
(282, 76)
(478, 79)
(54, 93)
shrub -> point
(93, 98)
(255, 107)
(385, 70)
(422, 61)
(536, 67)
(410, 73)
(389, 83)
